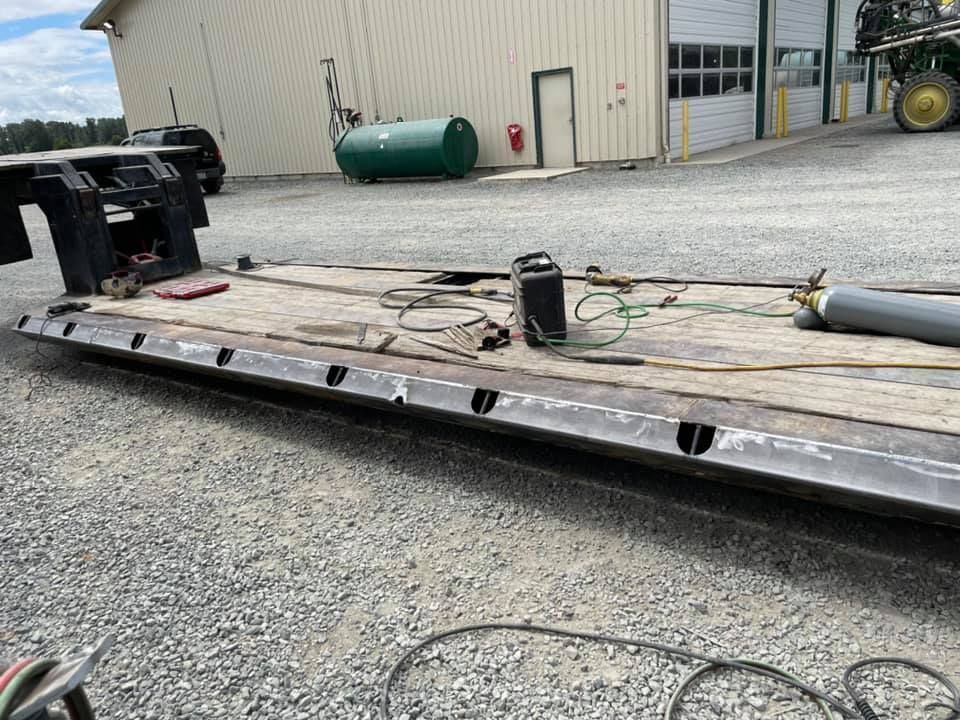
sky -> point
(50, 69)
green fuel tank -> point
(422, 148)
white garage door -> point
(850, 66)
(712, 67)
(799, 37)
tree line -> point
(38, 136)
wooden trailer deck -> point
(882, 438)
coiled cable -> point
(828, 704)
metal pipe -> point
(917, 40)
(173, 103)
(663, 71)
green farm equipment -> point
(920, 39)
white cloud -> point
(24, 9)
(57, 74)
(55, 47)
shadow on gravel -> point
(897, 561)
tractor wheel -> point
(928, 102)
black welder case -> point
(538, 293)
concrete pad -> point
(740, 151)
(534, 174)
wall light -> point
(111, 26)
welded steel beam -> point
(894, 470)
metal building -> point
(588, 80)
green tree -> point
(90, 132)
(37, 136)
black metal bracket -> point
(89, 247)
(86, 195)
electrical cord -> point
(779, 676)
(674, 701)
(826, 702)
(867, 711)
(41, 377)
(662, 282)
(425, 300)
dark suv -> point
(210, 168)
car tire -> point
(212, 187)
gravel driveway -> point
(272, 557)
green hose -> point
(627, 312)
(709, 667)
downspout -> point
(213, 82)
(829, 55)
(663, 69)
(763, 62)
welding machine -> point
(538, 298)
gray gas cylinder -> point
(889, 313)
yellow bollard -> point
(885, 94)
(686, 131)
(786, 112)
(844, 101)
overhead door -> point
(712, 69)
(850, 66)
(800, 30)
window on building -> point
(851, 66)
(707, 70)
(797, 67)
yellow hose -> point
(798, 365)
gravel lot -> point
(273, 557)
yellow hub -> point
(926, 104)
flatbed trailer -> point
(883, 439)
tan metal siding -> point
(428, 58)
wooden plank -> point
(329, 315)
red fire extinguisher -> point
(515, 133)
